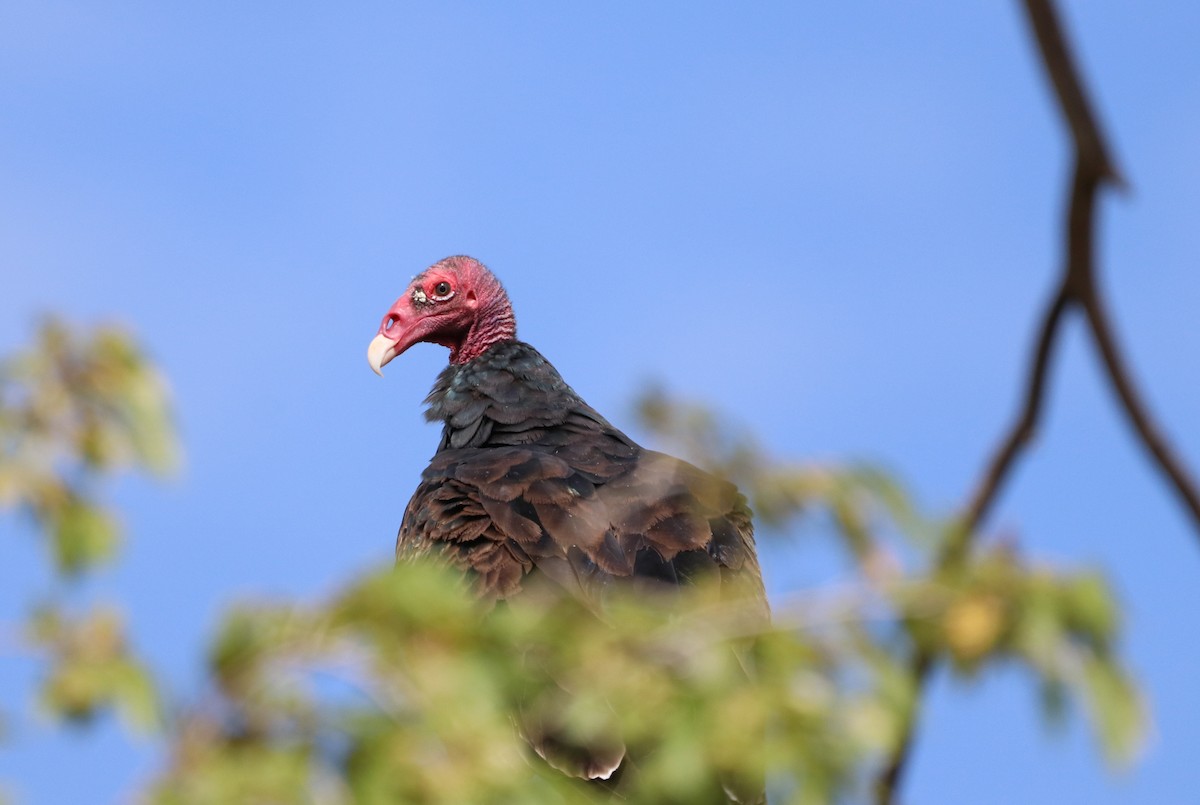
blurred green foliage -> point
(402, 688)
(992, 607)
(75, 409)
(90, 667)
(430, 685)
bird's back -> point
(528, 478)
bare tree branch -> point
(1093, 167)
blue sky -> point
(836, 223)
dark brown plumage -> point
(529, 482)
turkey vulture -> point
(530, 483)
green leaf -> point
(136, 697)
(84, 536)
(1088, 608)
(1117, 710)
(90, 669)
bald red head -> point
(455, 302)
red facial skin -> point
(456, 303)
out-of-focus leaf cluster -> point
(76, 408)
(1061, 626)
(991, 607)
(404, 689)
(92, 669)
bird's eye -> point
(441, 290)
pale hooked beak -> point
(381, 350)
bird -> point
(531, 485)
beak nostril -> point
(391, 320)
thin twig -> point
(1019, 436)
(1153, 440)
(1093, 167)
